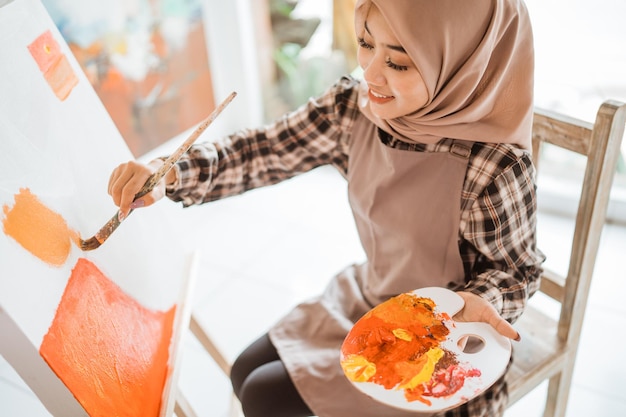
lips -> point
(378, 98)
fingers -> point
(502, 326)
(125, 181)
(477, 309)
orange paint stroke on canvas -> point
(53, 64)
(38, 229)
(111, 352)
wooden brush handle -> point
(110, 226)
(154, 179)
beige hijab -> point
(477, 60)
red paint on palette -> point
(110, 351)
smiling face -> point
(396, 87)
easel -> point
(27, 362)
(183, 407)
(59, 148)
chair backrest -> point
(548, 347)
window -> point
(580, 63)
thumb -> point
(477, 309)
(503, 327)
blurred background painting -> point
(146, 59)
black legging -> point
(262, 383)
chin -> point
(386, 115)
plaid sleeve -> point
(311, 136)
(499, 235)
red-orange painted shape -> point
(45, 49)
(111, 352)
(53, 64)
(38, 229)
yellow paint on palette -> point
(53, 64)
(38, 229)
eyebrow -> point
(398, 48)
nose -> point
(372, 71)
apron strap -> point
(461, 148)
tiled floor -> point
(263, 252)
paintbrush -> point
(106, 231)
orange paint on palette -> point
(38, 229)
(398, 339)
(397, 345)
(53, 64)
(111, 352)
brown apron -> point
(407, 210)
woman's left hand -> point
(478, 309)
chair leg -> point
(558, 393)
(220, 359)
(205, 340)
(235, 407)
(183, 408)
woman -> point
(435, 146)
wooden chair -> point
(548, 347)
(183, 407)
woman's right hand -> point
(127, 179)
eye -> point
(396, 67)
(364, 44)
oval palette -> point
(408, 353)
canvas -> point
(58, 146)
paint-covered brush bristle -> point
(89, 244)
(103, 234)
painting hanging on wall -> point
(147, 60)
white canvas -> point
(64, 152)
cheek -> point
(415, 93)
(421, 96)
(411, 97)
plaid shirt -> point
(497, 227)
(498, 204)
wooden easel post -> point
(17, 349)
(181, 322)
